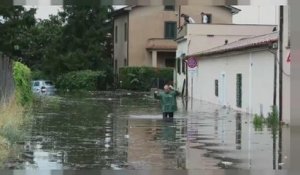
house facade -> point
(144, 35)
(239, 75)
(200, 37)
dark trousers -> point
(166, 114)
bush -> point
(82, 80)
(143, 78)
(38, 75)
(273, 120)
(258, 122)
(22, 78)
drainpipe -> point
(127, 30)
(250, 83)
(275, 81)
(186, 81)
(274, 52)
(280, 60)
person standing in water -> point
(168, 101)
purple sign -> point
(192, 62)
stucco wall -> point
(286, 69)
(197, 34)
(211, 69)
(120, 47)
(148, 22)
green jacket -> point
(167, 101)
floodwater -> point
(98, 131)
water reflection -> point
(113, 132)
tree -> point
(14, 26)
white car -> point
(43, 87)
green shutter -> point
(239, 90)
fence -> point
(7, 86)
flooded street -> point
(101, 131)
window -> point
(116, 66)
(239, 90)
(178, 66)
(125, 32)
(37, 83)
(216, 88)
(170, 62)
(169, 7)
(206, 18)
(116, 34)
(183, 66)
(125, 62)
(48, 83)
(170, 30)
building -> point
(144, 35)
(199, 37)
(239, 75)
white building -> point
(258, 11)
(239, 75)
(199, 37)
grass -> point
(13, 118)
(272, 121)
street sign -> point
(192, 62)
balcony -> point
(182, 32)
(161, 44)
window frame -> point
(167, 8)
(216, 87)
(125, 31)
(116, 34)
(166, 29)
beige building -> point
(144, 35)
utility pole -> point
(280, 60)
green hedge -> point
(143, 78)
(22, 78)
(82, 80)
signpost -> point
(192, 66)
(192, 62)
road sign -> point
(192, 62)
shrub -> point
(82, 80)
(258, 122)
(143, 78)
(37, 75)
(273, 120)
(22, 78)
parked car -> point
(43, 87)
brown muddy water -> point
(126, 132)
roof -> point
(246, 43)
(123, 10)
(126, 9)
(234, 10)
